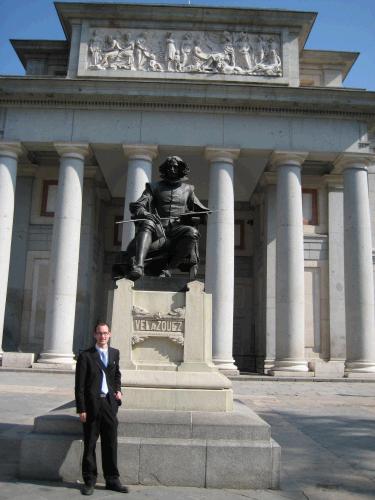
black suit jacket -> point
(88, 380)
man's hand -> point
(118, 396)
(152, 217)
(83, 417)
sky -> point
(342, 25)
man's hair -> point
(101, 323)
(183, 169)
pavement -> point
(326, 431)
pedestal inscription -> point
(170, 325)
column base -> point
(290, 368)
(226, 366)
(268, 365)
(328, 369)
(49, 360)
(359, 369)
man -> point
(162, 208)
(98, 395)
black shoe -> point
(87, 489)
(135, 273)
(115, 485)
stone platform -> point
(171, 448)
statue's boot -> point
(142, 244)
(184, 249)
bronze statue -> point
(166, 217)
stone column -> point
(9, 152)
(359, 282)
(336, 276)
(269, 262)
(140, 158)
(62, 285)
(290, 292)
(220, 255)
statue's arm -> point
(142, 206)
(195, 205)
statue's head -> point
(173, 169)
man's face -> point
(102, 336)
(172, 172)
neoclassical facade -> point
(279, 149)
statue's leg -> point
(183, 245)
(142, 244)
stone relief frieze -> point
(231, 53)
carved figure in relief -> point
(110, 53)
(95, 49)
(204, 61)
(186, 48)
(170, 52)
(177, 61)
(271, 62)
(274, 59)
(154, 65)
(141, 54)
(246, 53)
(126, 55)
(260, 46)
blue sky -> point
(347, 25)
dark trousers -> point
(105, 426)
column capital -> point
(10, 148)
(358, 161)
(72, 149)
(140, 151)
(227, 155)
(294, 158)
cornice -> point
(231, 98)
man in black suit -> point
(98, 395)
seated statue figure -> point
(166, 233)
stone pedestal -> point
(170, 448)
(18, 359)
(177, 425)
(165, 342)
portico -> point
(286, 254)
